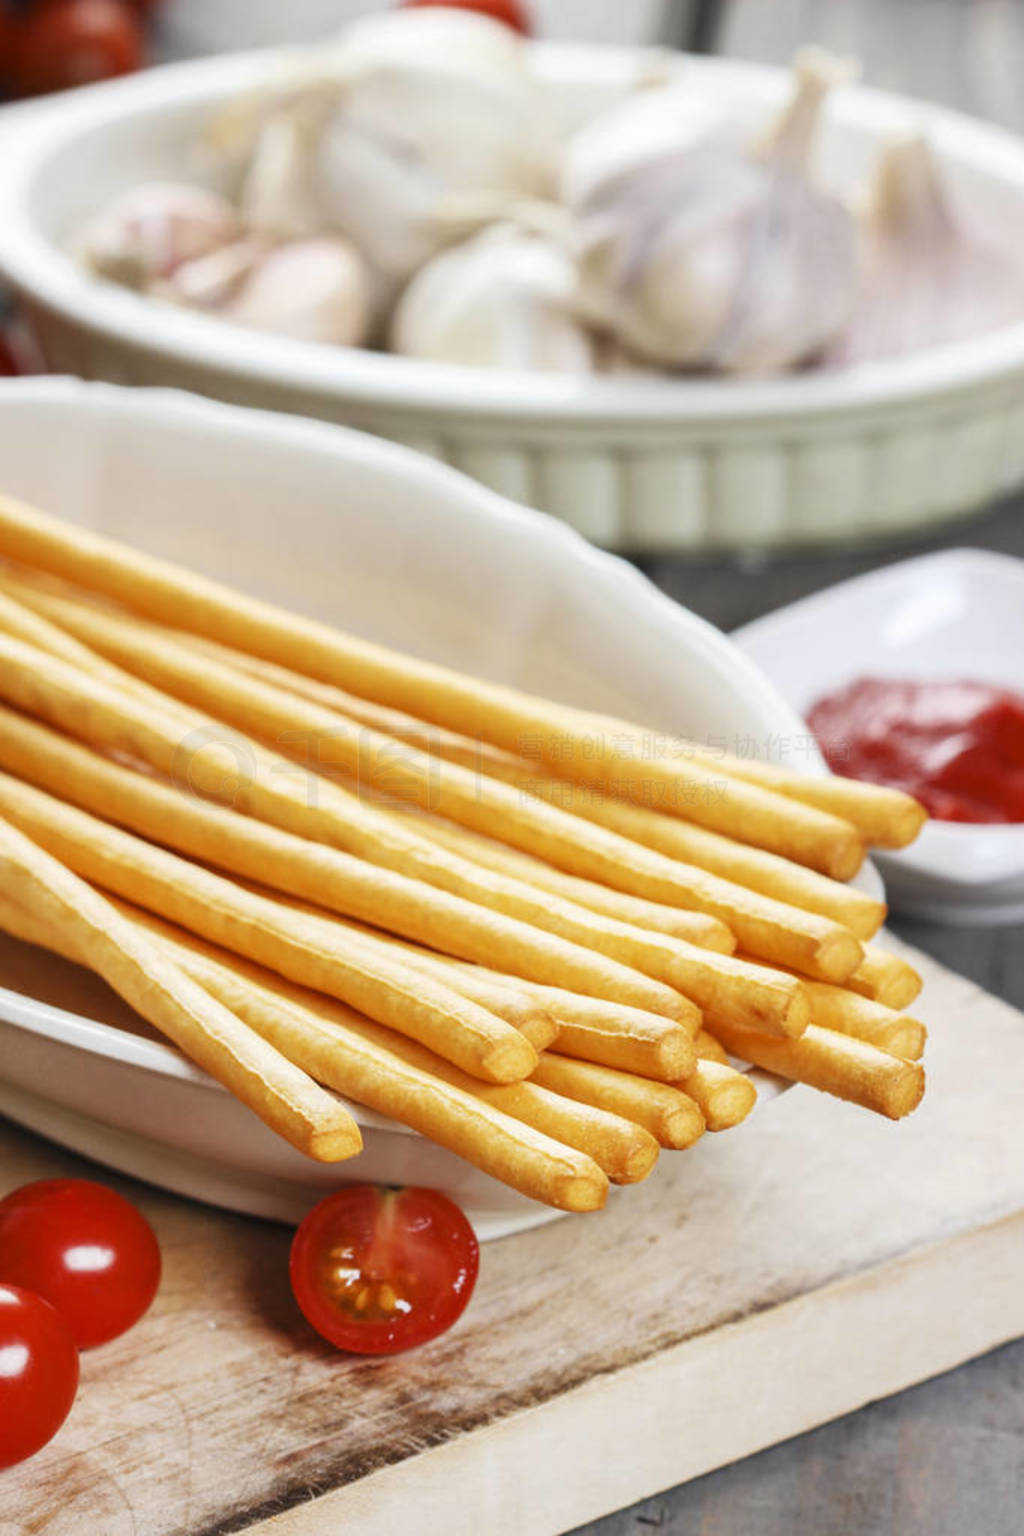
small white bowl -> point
(355, 530)
(957, 614)
(636, 462)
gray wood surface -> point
(948, 1456)
(943, 1459)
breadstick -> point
(885, 818)
(24, 623)
(511, 1003)
(500, 995)
(886, 977)
(22, 610)
(486, 805)
(725, 1096)
(625, 1152)
(851, 1014)
(709, 1049)
(585, 1027)
(94, 934)
(838, 1064)
(250, 779)
(747, 992)
(315, 951)
(158, 589)
(325, 876)
(753, 994)
(753, 868)
(625, 1038)
(694, 927)
(672, 1117)
(563, 1008)
(613, 1036)
(739, 990)
(879, 817)
(392, 1075)
(435, 739)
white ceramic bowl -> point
(352, 529)
(958, 614)
(630, 462)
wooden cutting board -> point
(760, 1284)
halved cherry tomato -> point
(379, 1270)
(61, 43)
(511, 12)
(84, 1248)
(38, 1373)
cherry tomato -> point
(38, 1373)
(84, 1248)
(379, 1270)
(61, 43)
(512, 12)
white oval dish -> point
(956, 614)
(347, 528)
(630, 462)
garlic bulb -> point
(645, 125)
(313, 290)
(718, 255)
(503, 299)
(410, 108)
(929, 277)
(148, 231)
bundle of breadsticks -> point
(330, 872)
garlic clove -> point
(213, 280)
(143, 234)
(312, 290)
(932, 275)
(502, 299)
(276, 195)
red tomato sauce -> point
(958, 746)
